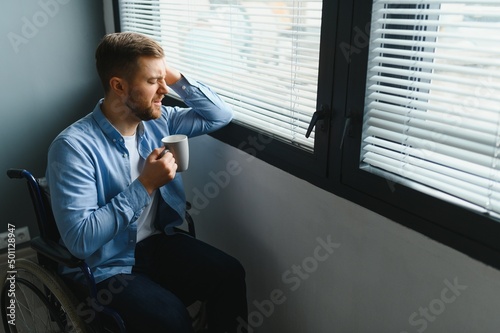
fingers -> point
(156, 154)
(168, 167)
(163, 153)
(159, 169)
(166, 157)
(159, 153)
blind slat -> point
(486, 126)
(435, 157)
(436, 34)
(450, 129)
(435, 180)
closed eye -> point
(155, 80)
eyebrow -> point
(157, 77)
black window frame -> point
(471, 233)
(334, 166)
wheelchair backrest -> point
(49, 225)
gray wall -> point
(48, 80)
(375, 276)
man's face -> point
(147, 88)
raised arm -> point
(206, 111)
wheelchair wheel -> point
(42, 302)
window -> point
(425, 133)
(431, 115)
(260, 56)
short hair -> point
(117, 55)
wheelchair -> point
(43, 300)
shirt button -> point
(114, 140)
(124, 155)
(183, 87)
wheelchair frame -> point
(39, 282)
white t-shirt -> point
(145, 227)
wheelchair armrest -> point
(55, 251)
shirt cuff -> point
(139, 196)
(184, 87)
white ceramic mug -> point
(178, 145)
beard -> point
(142, 109)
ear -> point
(118, 85)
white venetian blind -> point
(432, 108)
(259, 56)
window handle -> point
(350, 118)
(317, 116)
(347, 127)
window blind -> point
(432, 105)
(261, 57)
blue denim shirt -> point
(95, 203)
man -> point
(116, 197)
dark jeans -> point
(171, 272)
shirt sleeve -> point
(206, 111)
(84, 221)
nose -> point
(163, 89)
